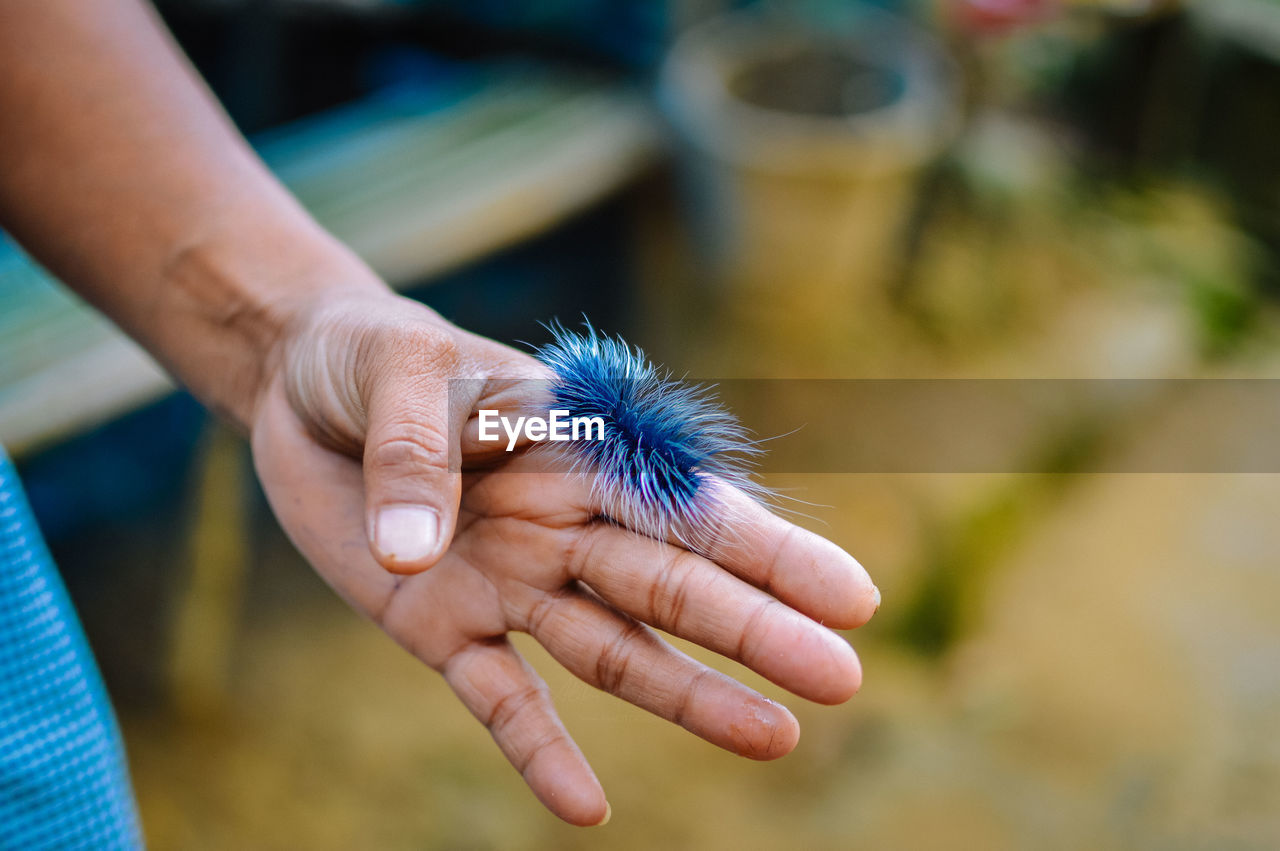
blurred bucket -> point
(801, 148)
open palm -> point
(529, 551)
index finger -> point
(803, 570)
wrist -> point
(230, 298)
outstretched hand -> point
(127, 182)
(352, 440)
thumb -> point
(411, 488)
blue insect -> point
(669, 446)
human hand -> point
(352, 439)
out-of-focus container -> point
(801, 145)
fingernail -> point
(407, 532)
(608, 814)
(876, 599)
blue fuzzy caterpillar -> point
(668, 445)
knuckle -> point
(688, 697)
(769, 575)
(510, 707)
(398, 354)
(546, 742)
(423, 348)
(411, 446)
(580, 553)
(443, 347)
(670, 593)
(753, 629)
(615, 657)
(536, 620)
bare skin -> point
(119, 172)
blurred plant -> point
(964, 551)
(1018, 235)
(1184, 234)
(1226, 316)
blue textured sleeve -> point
(63, 776)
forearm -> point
(120, 173)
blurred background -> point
(797, 189)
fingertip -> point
(567, 787)
(835, 676)
(579, 814)
(808, 659)
(849, 597)
(835, 589)
(844, 677)
(402, 569)
(406, 539)
(771, 731)
(739, 719)
(860, 603)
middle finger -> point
(695, 599)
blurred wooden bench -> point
(415, 185)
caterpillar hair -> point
(669, 448)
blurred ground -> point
(1119, 690)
